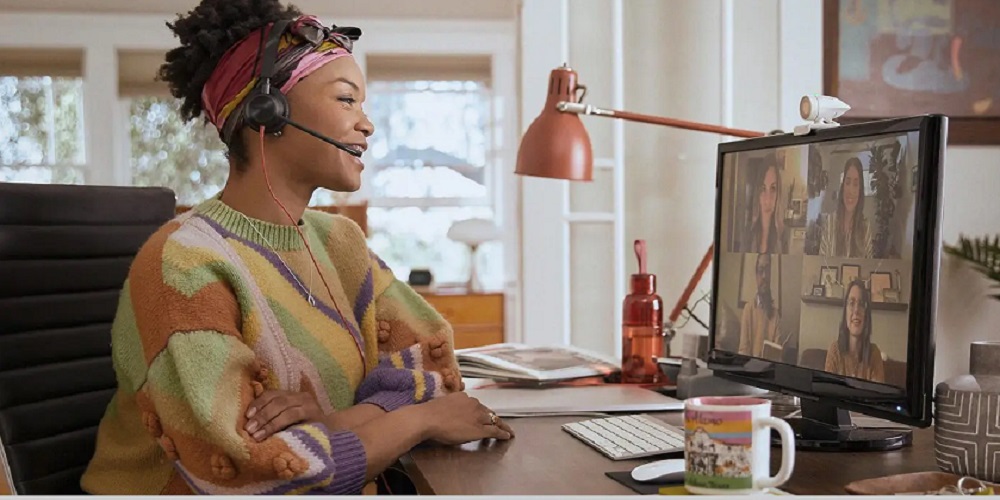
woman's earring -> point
(277, 134)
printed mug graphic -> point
(718, 449)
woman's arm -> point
(179, 348)
(416, 358)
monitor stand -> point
(822, 427)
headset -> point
(267, 106)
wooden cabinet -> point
(477, 318)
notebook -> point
(604, 398)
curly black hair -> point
(206, 33)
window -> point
(41, 116)
(41, 129)
(187, 157)
(429, 167)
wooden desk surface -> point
(543, 459)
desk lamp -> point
(557, 146)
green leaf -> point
(983, 253)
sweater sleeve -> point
(178, 343)
(416, 347)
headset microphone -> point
(352, 150)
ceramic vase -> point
(967, 417)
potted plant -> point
(966, 406)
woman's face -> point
(852, 188)
(769, 193)
(854, 314)
(328, 101)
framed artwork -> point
(890, 58)
(828, 276)
(818, 290)
(849, 273)
(880, 282)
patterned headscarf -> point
(304, 48)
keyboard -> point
(628, 436)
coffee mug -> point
(727, 446)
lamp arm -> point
(587, 109)
(693, 282)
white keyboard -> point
(626, 437)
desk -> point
(543, 459)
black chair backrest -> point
(64, 254)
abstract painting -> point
(890, 58)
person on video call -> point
(766, 231)
(259, 347)
(760, 317)
(848, 234)
(853, 354)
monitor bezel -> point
(915, 401)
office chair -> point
(64, 254)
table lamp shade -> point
(556, 145)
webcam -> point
(820, 111)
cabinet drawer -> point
(477, 337)
(459, 310)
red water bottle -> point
(643, 337)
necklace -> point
(307, 290)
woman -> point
(848, 234)
(767, 227)
(853, 354)
(238, 371)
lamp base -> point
(473, 285)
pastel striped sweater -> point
(215, 310)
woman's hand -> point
(457, 418)
(275, 411)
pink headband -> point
(237, 72)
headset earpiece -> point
(267, 107)
(268, 111)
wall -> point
(965, 313)
(777, 57)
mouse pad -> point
(625, 477)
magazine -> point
(523, 363)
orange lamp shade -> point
(556, 145)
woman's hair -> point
(777, 222)
(205, 34)
(854, 247)
(844, 336)
(767, 302)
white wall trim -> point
(618, 179)
(544, 251)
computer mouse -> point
(661, 471)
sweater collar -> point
(278, 237)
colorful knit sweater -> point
(216, 309)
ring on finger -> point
(494, 419)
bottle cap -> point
(643, 284)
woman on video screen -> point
(849, 234)
(766, 231)
(853, 354)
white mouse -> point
(662, 471)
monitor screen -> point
(816, 254)
(826, 257)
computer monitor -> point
(826, 252)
